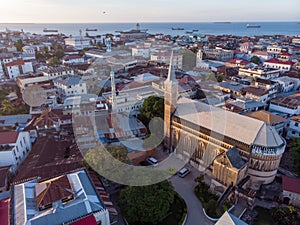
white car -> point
(183, 172)
(153, 161)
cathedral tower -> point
(171, 95)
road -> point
(185, 187)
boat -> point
(177, 28)
(223, 22)
(195, 30)
(91, 29)
(50, 30)
(253, 26)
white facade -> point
(293, 130)
(288, 83)
(78, 42)
(264, 73)
(73, 86)
(282, 66)
(54, 72)
(17, 68)
(141, 52)
(13, 152)
(164, 57)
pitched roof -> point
(276, 61)
(15, 63)
(255, 91)
(239, 61)
(8, 137)
(53, 190)
(90, 220)
(229, 219)
(291, 184)
(267, 117)
(235, 158)
(227, 123)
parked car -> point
(153, 161)
(183, 172)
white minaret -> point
(113, 91)
(199, 60)
(108, 44)
(138, 27)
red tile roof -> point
(86, 221)
(291, 184)
(285, 54)
(4, 211)
(8, 137)
(15, 63)
(239, 61)
(276, 61)
(52, 191)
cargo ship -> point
(177, 28)
(253, 26)
(91, 29)
(50, 30)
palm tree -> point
(295, 153)
(7, 108)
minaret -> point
(113, 91)
(171, 95)
(199, 58)
(138, 27)
(108, 44)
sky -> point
(84, 11)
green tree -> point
(7, 107)
(118, 152)
(285, 215)
(59, 54)
(146, 204)
(152, 107)
(99, 45)
(54, 61)
(295, 153)
(255, 59)
(19, 45)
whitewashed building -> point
(277, 64)
(78, 42)
(18, 67)
(14, 147)
(69, 86)
(293, 129)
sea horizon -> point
(288, 28)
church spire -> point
(171, 73)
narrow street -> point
(185, 187)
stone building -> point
(223, 142)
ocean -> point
(215, 28)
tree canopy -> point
(255, 59)
(19, 45)
(146, 204)
(285, 215)
(295, 153)
(152, 107)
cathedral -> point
(229, 147)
